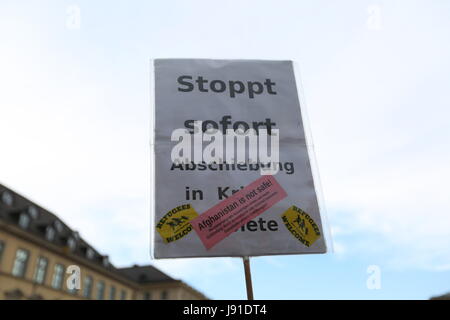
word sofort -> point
(226, 124)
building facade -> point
(42, 258)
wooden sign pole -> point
(248, 277)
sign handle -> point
(248, 277)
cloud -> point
(381, 148)
(75, 113)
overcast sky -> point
(75, 114)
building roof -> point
(32, 218)
(145, 274)
(443, 297)
(149, 274)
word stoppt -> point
(233, 87)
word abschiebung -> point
(236, 146)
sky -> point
(75, 130)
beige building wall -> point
(170, 291)
(26, 284)
(15, 238)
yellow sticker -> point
(301, 225)
(174, 225)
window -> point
(71, 285)
(50, 233)
(112, 293)
(7, 198)
(20, 263)
(90, 253)
(71, 243)
(41, 270)
(123, 295)
(33, 212)
(87, 287)
(147, 296)
(58, 276)
(2, 248)
(105, 261)
(24, 220)
(73, 290)
(100, 290)
(58, 226)
(164, 295)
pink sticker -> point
(218, 222)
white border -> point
(152, 158)
(312, 160)
(309, 143)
